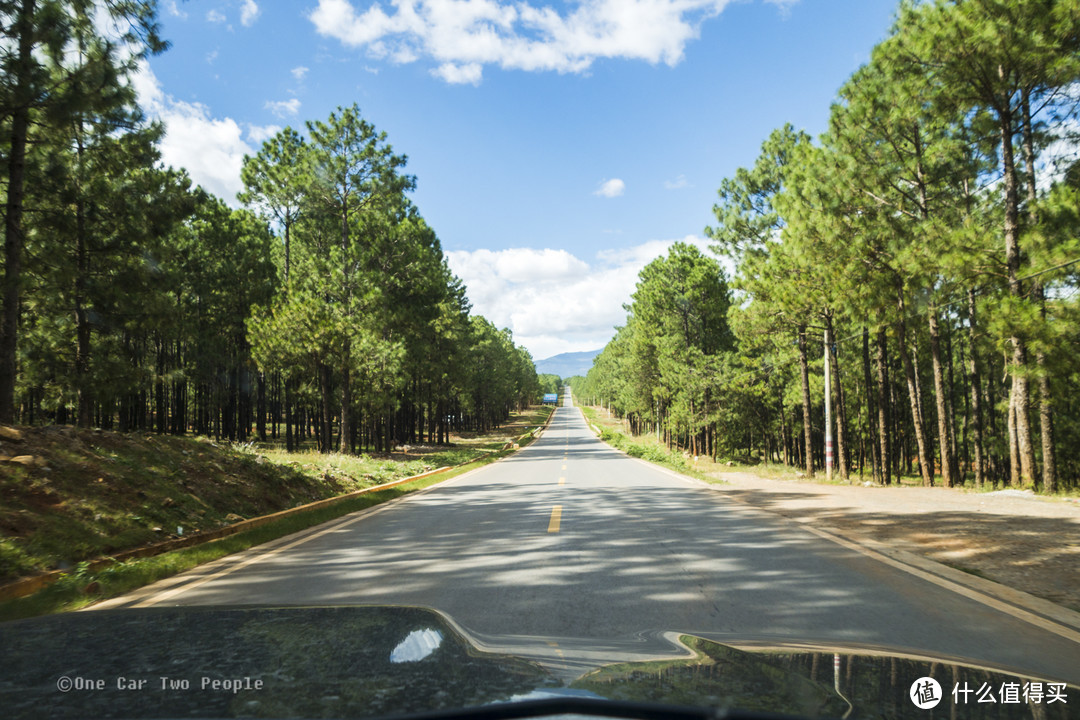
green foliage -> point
(646, 451)
(67, 108)
(549, 383)
(146, 304)
(660, 367)
(370, 315)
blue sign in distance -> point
(551, 398)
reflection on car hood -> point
(371, 661)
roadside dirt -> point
(1018, 539)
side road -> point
(1014, 538)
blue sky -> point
(558, 146)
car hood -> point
(364, 661)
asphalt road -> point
(570, 551)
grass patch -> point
(642, 447)
(93, 493)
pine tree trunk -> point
(1046, 400)
(276, 405)
(1021, 396)
(804, 375)
(948, 459)
(290, 441)
(976, 393)
(1046, 422)
(260, 408)
(346, 399)
(950, 407)
(346, 360)
(232, 407)
(1046, 411)
(1015, 471)
(85, 411)
(841, 411)
(925, 470)
(16, 191)
(874, 424)
(885, 409)
(927, 451)
(327, 412)
(159, 391)
(440, 422)
(287, 257)
(784, 431)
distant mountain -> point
(567, 364)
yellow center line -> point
(558, 650)
(562, 481)
(556, 516)
(563, 467)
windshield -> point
(365, 359)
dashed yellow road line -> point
(562, 481)
(558, 650)
(563, 467)
(556, 517)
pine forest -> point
(925, 249)
(322, 311)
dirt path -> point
(1018, 539)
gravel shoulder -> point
(1018, 539)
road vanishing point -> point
(572, 553)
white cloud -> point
(610, 188)
(460, 34)
(521, 265)
(249, 12)
(215, 16)
(259, 134)
(211, 149)
(560, 302)
(281, 108)
(299, 72)
(211, 57)
(175, 11)
(677, 184)
(459, 74)
(784, 5)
